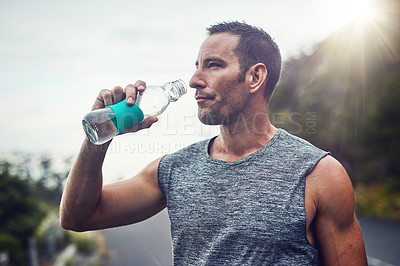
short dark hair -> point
(255, 46)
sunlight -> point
(340, 13)
(360, 10)
(369, 39)
(350, 11)
(370, 26)
(355, 10)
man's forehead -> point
(226, 41)
(218, 46)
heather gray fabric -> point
(246, 212)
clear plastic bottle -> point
(102, 125)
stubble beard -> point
(223, 113)
(227, 110)
(211, 117)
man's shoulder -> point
(293, 140)
(194, 149)
(298, 147)
(182, 160)
(330, 171)
(331, 183)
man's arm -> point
(88, 205)
(335, 225)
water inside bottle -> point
(90, 131)
(100, 127)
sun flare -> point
(354, 10)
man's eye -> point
(213, 65)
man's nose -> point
(197, 80)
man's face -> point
(219, 95)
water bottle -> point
(102, 125)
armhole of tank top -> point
(323, 155)
(305, 215)
(162, 183)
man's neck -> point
(242, 138)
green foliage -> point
(30, 188)
(46, 172)
(383, 130)
(11, 244)
(85, 242)
(379, 200)
(20, 214)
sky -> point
(55, 57)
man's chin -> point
(209, 123)
(209, 119)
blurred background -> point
(339, 90)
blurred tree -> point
(50, 183)
(20, 214)
(47, 172)
(382, 131)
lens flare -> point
(355, 10)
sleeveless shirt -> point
(246, 212)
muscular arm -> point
(88, 205)
(335, 225)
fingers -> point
(102, 100)
(110, 97)
(132, 94)
(148, 122)
(131, 91)
(118, 94)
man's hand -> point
(110, 97)
(86, 204)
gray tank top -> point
(247, 212)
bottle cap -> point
(126, 115)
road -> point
(148, 243)
(382, 241)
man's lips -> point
(203, 98)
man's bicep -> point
(130, 201)
(336, 227)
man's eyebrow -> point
(216, 59)
(208, 60)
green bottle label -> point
(126, 115)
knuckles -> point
(107, 97)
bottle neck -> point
(175, 89)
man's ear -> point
(257, 77)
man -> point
(254, 195)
